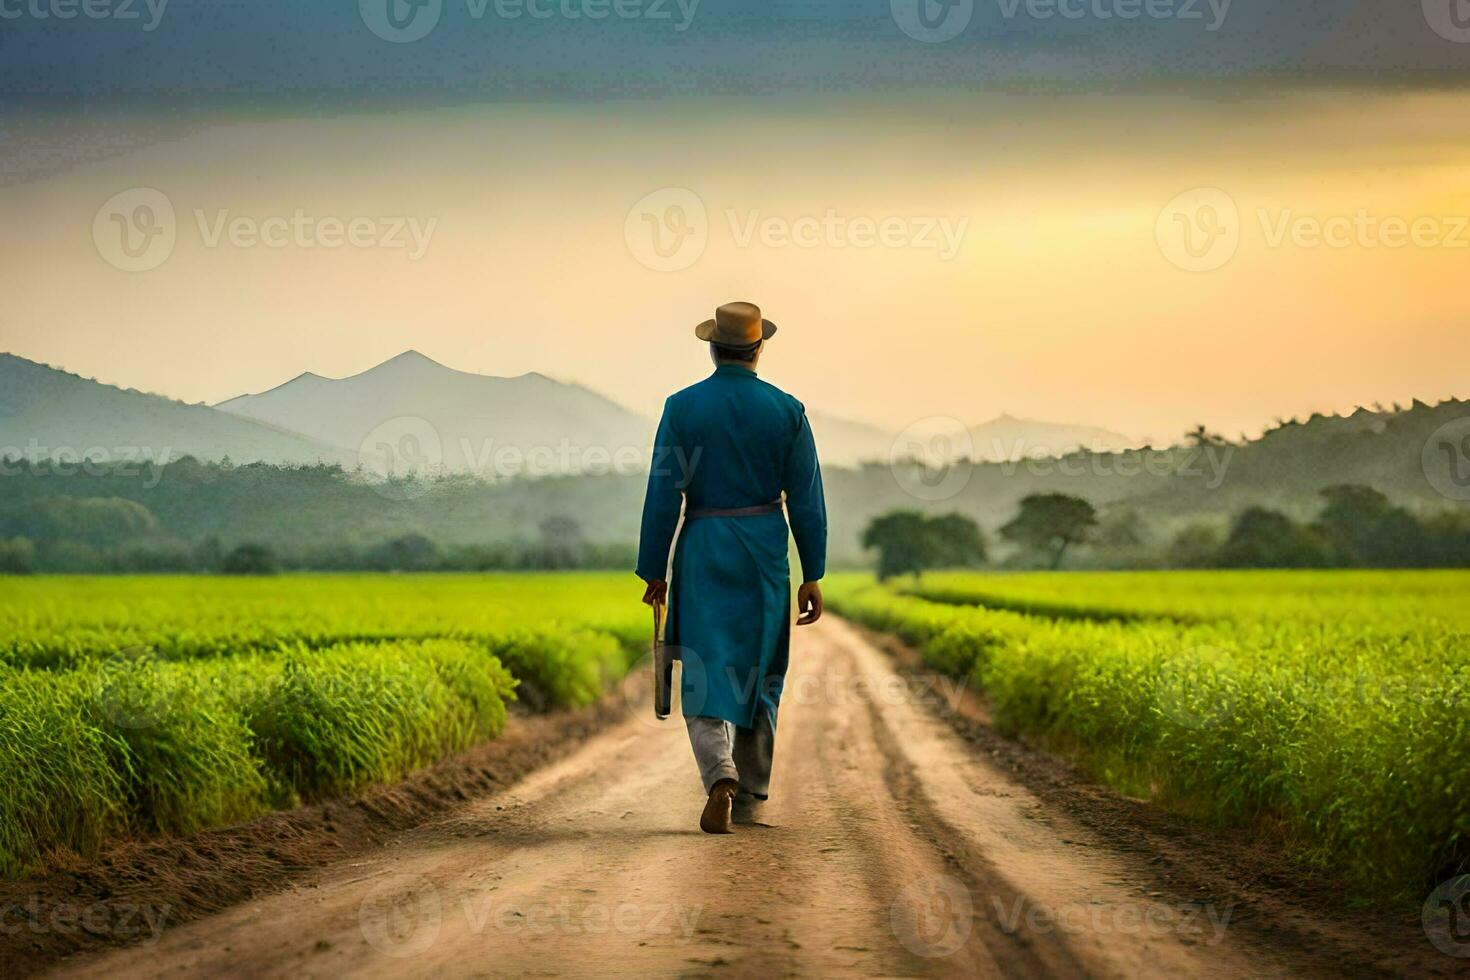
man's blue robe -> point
(732, 440)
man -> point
(740, 444)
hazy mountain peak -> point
(1007, 437)
(45, 411)
(463, 421)
(304, 379)
(412, 356)
(410, 361)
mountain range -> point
(47, 413)
(460, 422)
(1407, 453)
(413, 414)
(847, 443)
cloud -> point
(499, 49)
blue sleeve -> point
(661, 504)
(806, 507)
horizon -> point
(1380, 406)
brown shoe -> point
(716, 816)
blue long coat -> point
(732, 440)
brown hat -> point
(736, 325)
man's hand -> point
(809, 603)
(657, 592)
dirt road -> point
(890, 847)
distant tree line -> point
(192, 516)
(84, 535)
(1357, 527)
(110, 515)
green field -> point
(1329, 710)
(137, 706)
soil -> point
(1272, 896)
(137, 888)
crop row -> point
(66, 621)
(1349, 739)
(192, 703)
(1412, 600)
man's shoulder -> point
(760, 386)
(688, 391)
(782, 396)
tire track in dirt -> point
(888, 847)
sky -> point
(1057, 219)
(333, 53)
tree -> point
(1262, 538)
(903, 542)
(1347, 518)
(1399, 541)
(1196, 546)
(907, 542)
(17, 556)
(1365, 529)
(1121, 529)
(98, 522)
(250, 559)
(1049, 523)
(562, 545)
(1449, 538)
(1201, 436)
(407, 553)
(956, 541)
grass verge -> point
(1348, 739)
